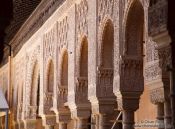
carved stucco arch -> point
(49, 66)
(128, 7)
(62, 52)
(132, 49)
(64, 56)
(107, 21)
(63, 79)
(20, 100)
(35, 57)
(34, 84)
(127, 19)
(83, 41)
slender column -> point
(62, 126)
(97, 122)
(82, 124)
(128, 119)
(167, 112)
(93, 120)
(49, 127)
(160, 115)
(6, 120)
(172, 91)
(104, 122)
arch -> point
(84, 58)
(34, 85)
(134, 29)
(107, 45)
(20, 96)
(50, 77)
(64, 69)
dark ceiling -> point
(6, 11)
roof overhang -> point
(3, 103)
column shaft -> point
(167, 114)
(82, 124)
(104, 122)
(62, 126)
(128, 119)
(160, 115)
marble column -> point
(93, 122)
(104, 122)
(62, 125)
(128, 119)
(82, 123)
(167, 115)
(160, 115)
(97, 122)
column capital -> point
(128, 100)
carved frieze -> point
(157, 95)
(152, 72)
(164, 57)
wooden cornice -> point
(39, 16)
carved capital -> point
(105, 82)
(82, 112)
(128, 100)
(32, 112)
(132, 74)
(103, 106)
(81, 90)
(63, 116)
(30, 124)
